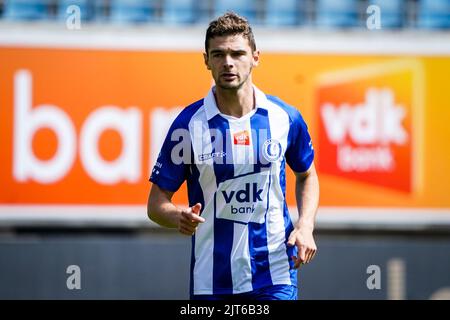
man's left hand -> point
(303, 238)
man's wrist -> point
(304, 225)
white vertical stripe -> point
(241, 270)
(278, 260)
(204, 237)
(242, 154)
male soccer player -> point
(232, 148)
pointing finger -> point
(191, 216)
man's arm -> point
(161, 210)
(307, 196)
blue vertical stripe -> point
(223, 166)
(257, 233)
(259, 123)
(223, 229)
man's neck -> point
(236, 103)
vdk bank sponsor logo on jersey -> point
(241, 138)
(369, 121)
(243, 200)
(251, 193)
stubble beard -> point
(232, 86)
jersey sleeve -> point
(172, 164)
(300, 151)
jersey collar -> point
(212, 110)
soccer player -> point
(232, 148)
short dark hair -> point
(230, 24)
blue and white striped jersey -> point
(235, 167)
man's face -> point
(231, 60)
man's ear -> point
(205, 57)
(255, 58)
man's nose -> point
(228, 61)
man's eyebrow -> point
(223, 50)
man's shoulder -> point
(185, 116)
(293, 112)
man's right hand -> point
(189, 220)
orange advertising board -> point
(369, 117)
(83, 126)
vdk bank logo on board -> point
(370, 124)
